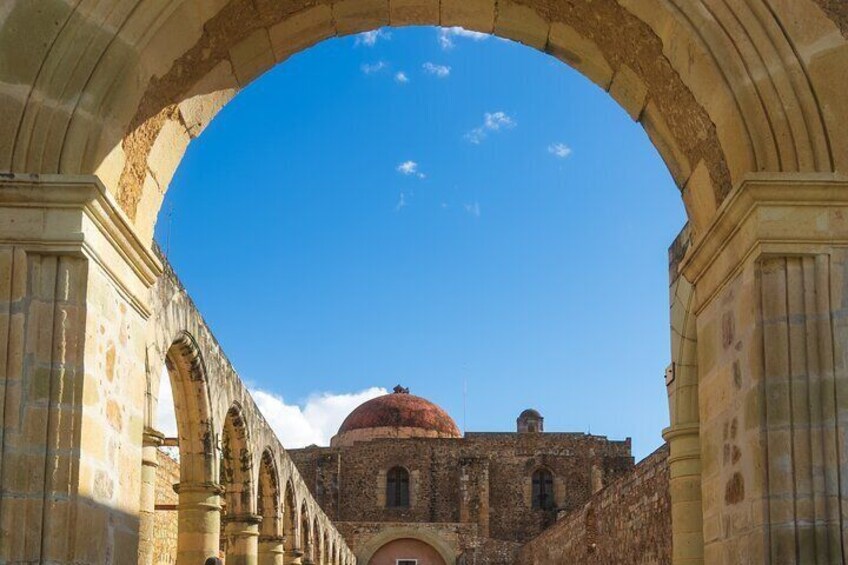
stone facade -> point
(744, 100)
(483, 479)
(628, 521)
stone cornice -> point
(767, 213)
(39, 212)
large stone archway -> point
(744, 99)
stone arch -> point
(307, 537)
(321, 545)
(290, 521)
(193, 408)
(237, 462)
(722, 91)
(240, 520)
(268, 502)
(390, 534)
(197, 486)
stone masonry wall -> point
(629, 522)
(165, 528)
(484, 478)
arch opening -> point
(178, 452)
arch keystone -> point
(353, 16)
(413, 12)
(478, 15)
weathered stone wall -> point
(483, 479)
(165, 521)
(629, 521)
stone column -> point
(242, 531)
(308, 554)
(771, 300)
(151, 440)
(295, 557)
(271, 550)
(683, 434)
(199, 521)
(74, 283)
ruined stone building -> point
(400, 481)
(745, 101)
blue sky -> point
(389, 208)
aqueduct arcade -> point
(744, 99)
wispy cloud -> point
(560, 150)
(473, 208)
(370, 38)
(410, 168)
(313, 421)
(492, 122)
(441, 71)
(372, 68)
(446, 36)
(401, 203)
(401, 77)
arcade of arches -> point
(744, 99)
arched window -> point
(543, 490)
(397, 488)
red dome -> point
(400, 410)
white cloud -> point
(410, 168)
(441, 71)
(369, 38)
(492, 121)
(297, 425)
(560, 150)
(473, 209)
(401, 77)
(446, 35)
(371, 68)
(313, 422)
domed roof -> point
(530, 413)
(401, 410)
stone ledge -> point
(75, 214)
(795, 213)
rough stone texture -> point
(165, 523)
(837, 10)
(629, 522)
(482, 479)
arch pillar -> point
(198, 521)
(151, 441)
(242, 531)
(294, 557)
(308, 554)
(683, 433)
(271, 550)
(73, 278)
(770, 278)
